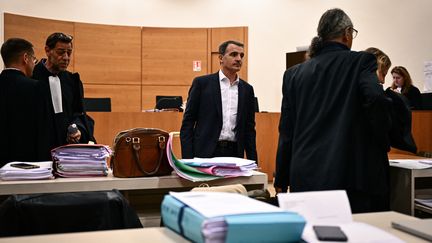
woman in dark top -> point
(402, 83)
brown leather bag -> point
(140, 152)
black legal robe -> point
(23, 121)
(72, 102)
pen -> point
(425, 163)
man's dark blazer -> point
(23, 121)
(333, 131)
(202, 119)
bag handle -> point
(135, 152)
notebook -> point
(421, 228)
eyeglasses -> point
(35, 60)
(354, 32)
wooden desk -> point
(154, 235)
(258, 180)
(406, 184)
(381, 220)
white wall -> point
(399, 27)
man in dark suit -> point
(219, 119)
(22, 111)
(335, 120)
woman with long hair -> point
(402, 83)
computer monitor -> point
(426, 101)
(97, 104)
(169, 102)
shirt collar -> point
(223, 78)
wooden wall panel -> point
(123, 97)
(108, 124)
(168, 55)
(106, 54)
(156, 60)
(422, 130)
(219, 35)
(267, 139)
(149, 93)
(36, 30)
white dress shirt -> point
(229, 96)
(56, 95)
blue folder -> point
(258, 227)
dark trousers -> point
(362, 202)
(226, 149)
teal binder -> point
(259, 227)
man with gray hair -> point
(335, 120)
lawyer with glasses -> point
(23, 120)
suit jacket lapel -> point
(217, 94)
(240, 104)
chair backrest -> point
(66, 212)
(168, 102)
(97, 104)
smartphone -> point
(329, 233)
(25, 166)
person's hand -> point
(396, 90)
(278, 190)
(74, 137)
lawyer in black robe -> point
(23, 119)
(72, 103)
(334, 125)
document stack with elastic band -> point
(81, 160)
(229, 217)
(207, 169)
(26, 171)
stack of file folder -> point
(81, 160)
(27, 171)
(206, 169)
(229, 217)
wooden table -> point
(257, 180)
(381, 220)
(406, 184)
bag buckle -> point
(162, 143)
(135, 140)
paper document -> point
(81, 160)
(331, 208)
(44, 170)
(206, 169)
(215, 204)
(424, 202)
(416, 164)
(228, 217)
(427, 70)
(219, 161)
